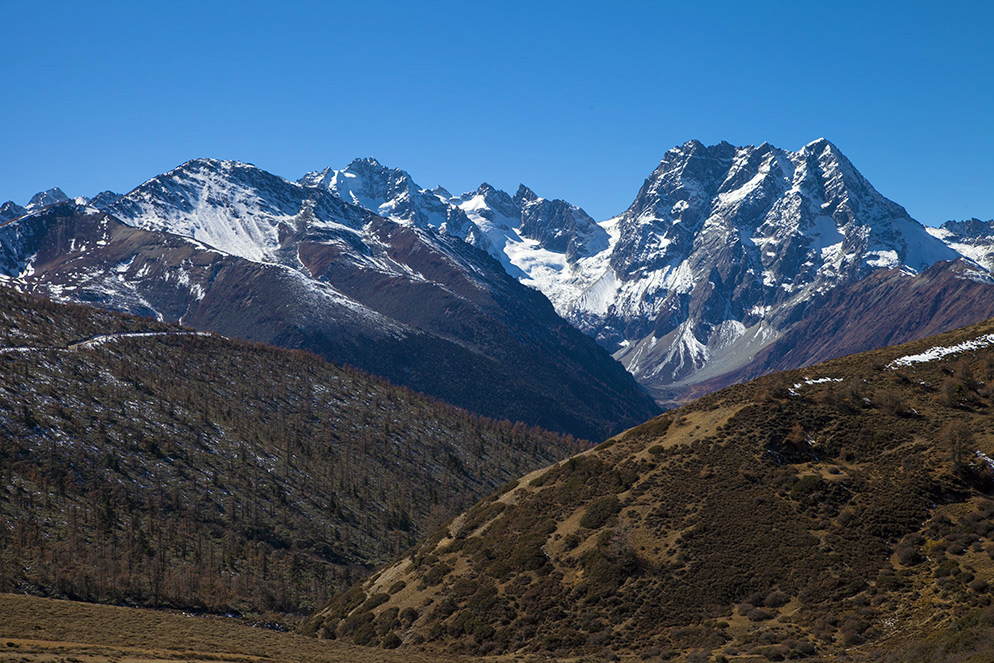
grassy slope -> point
(39, 630)
(764, 521)
(198, 472)
(36, 629)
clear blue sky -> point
(579, 100)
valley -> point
(326, 405)
(36, 630)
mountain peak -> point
(767, 228)
(11, 210)
(973, 228)
(210, 165)
(104, 199)
(45, 198)
(524, 194)
(365, 163)
(821, 145)
(441, 192)
(378, 180)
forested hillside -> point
(147, 464)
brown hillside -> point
(190, 471)
(799, 515)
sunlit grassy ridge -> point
(843, 505)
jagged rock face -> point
(11, 210)
(104, 199)
(528, 222)
(724, 247)
(723, 250)
(534, 238)
(558, 226)
(973, 238)
(227, 247)
(46, 198)
(389, 193)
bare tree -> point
(957, 436)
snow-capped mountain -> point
(534, 238)
(226, 247)
(236, 208)
(389, 193)
(723, 249)
(11, 210)
(103, 199)
(973, 238)
(45, 198)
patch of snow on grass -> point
(939, 352)
(816, 381)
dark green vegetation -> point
(197, 472)
(773, 520)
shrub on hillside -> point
(600, 511)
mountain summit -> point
(46, 198)
(722, 251)
(704, 278)
(724, 246)
(227, 247)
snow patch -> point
(938, 352)
(816, 381)
(882, 259)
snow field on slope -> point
(938, 352)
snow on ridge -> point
(979, 251)
(810, 381)
(798, 222)
(938, 352)
(98, 340)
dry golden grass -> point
(35, 629)
(789, 517)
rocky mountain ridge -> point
(723, 251)
(973, 238)
(227, 247)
